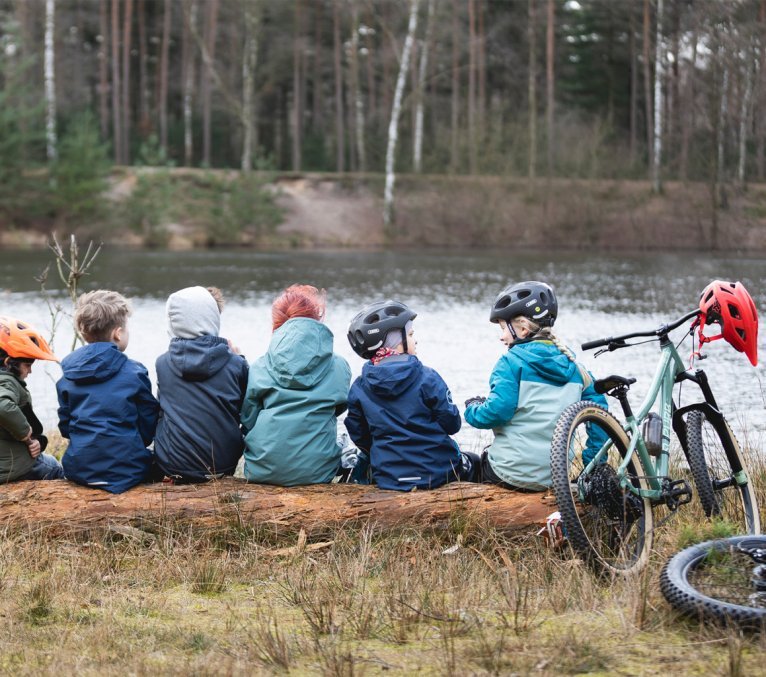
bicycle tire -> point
(608, 543)
(713, 470)
(689, 582)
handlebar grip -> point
(589, 345)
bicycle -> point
(606, 498)
(723, 581)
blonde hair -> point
(98, 313)
(217, 294)
(543, 333)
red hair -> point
(299, 300)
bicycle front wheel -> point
(719, 581)
(606, 524)
(715, 461)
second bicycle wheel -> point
(715, 471)
(608, 525)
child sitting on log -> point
(21, 440)
(201, 383)
(531, 384)
(400, 411)
(106, 406)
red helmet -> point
(729, 304)
(18, 339)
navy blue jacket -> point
(401, 412)
(201, 384)
(108, 412)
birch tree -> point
(417, 154)
(103, 80)
(249, 59)
(356, 92)
(50, 81)
(163, 84)
(531, 169)
(188, 79)
(658, 75)
(340, 148)
(744, 117)
(549, 84)
(396, 109)
(116, 90)
(297, 103)
(126, 39)
(646, 48)
(209, 38)
(455, 95)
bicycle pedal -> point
(676, 493)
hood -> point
(392, 375)
(547, 360)
(198, 359)
(192, 312)
(300, 353)
(93, 363)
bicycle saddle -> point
(604, 385)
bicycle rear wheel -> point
(716, 581)
(607, 525)
(714, 460)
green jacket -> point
(15, 461)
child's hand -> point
(477, 399)
(233, 348)
(33, 446)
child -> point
(21, 438)
(294, 394)
(106, 406)
(530, 386)
(400, 411)
(201, 384)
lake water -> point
(599, 295)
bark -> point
(190, 21)
(760, 130)
(646, 44)
(356, 92)
(687, 111)
(420, 97)
(62, 507)
(472, 150)
(316, 84)
(297, 107)
(126, 40)
(396, 109)
(633, 86)
(455, 95)
(249, 62)
(143, 72)
(744, 116)
(340, 132)
(481, 66)
(210, 32)
(531, 170)
(116, 89)
(50, 81)
(549, 84)
(371, 82)
(674, 88)
(163, 87)
(659, 61)
(103, 73)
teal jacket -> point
(294, 394)
(530, 386)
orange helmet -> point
(20, 340)
(729, 304)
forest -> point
(658, 90)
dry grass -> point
(233, 601)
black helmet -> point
(369, 328)
(535, 300)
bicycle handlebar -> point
(617, 342)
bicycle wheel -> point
(716, 581)
(713, 472)
(610, 527)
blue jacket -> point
(530, 386)
(201, 384)
(294, 394)
(402, 414)
(108, 413)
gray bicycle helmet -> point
(535, 300)
(369, 328)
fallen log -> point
(59, 505)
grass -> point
(242, 601)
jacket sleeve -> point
(343, 380)
(596, 436)
(500, 405)
(251, 405)
(64, 412)
(148, 407)
(438, 399)
(356, 422)
(11, 416)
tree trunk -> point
(103, 72)
(472, 150)
(143, 72)
(296, 118)
(356, 92)
(531, 170)
(633, 86)
(744, 118)
(760, 129)
(249, 62)
(190, 21)
(549, 85)
(372, 111)
(340, 132)
(116, 89)
(210, 32)
(687, 111)
(316, 84)
(674, 88)
(646, 45)
(61, 507)
(50, 82)
(164, 62)
(659, 62)
(396, 109)
(127, 34)
(420, 97)
(481, 66)
(455, 95)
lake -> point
(599, 295)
